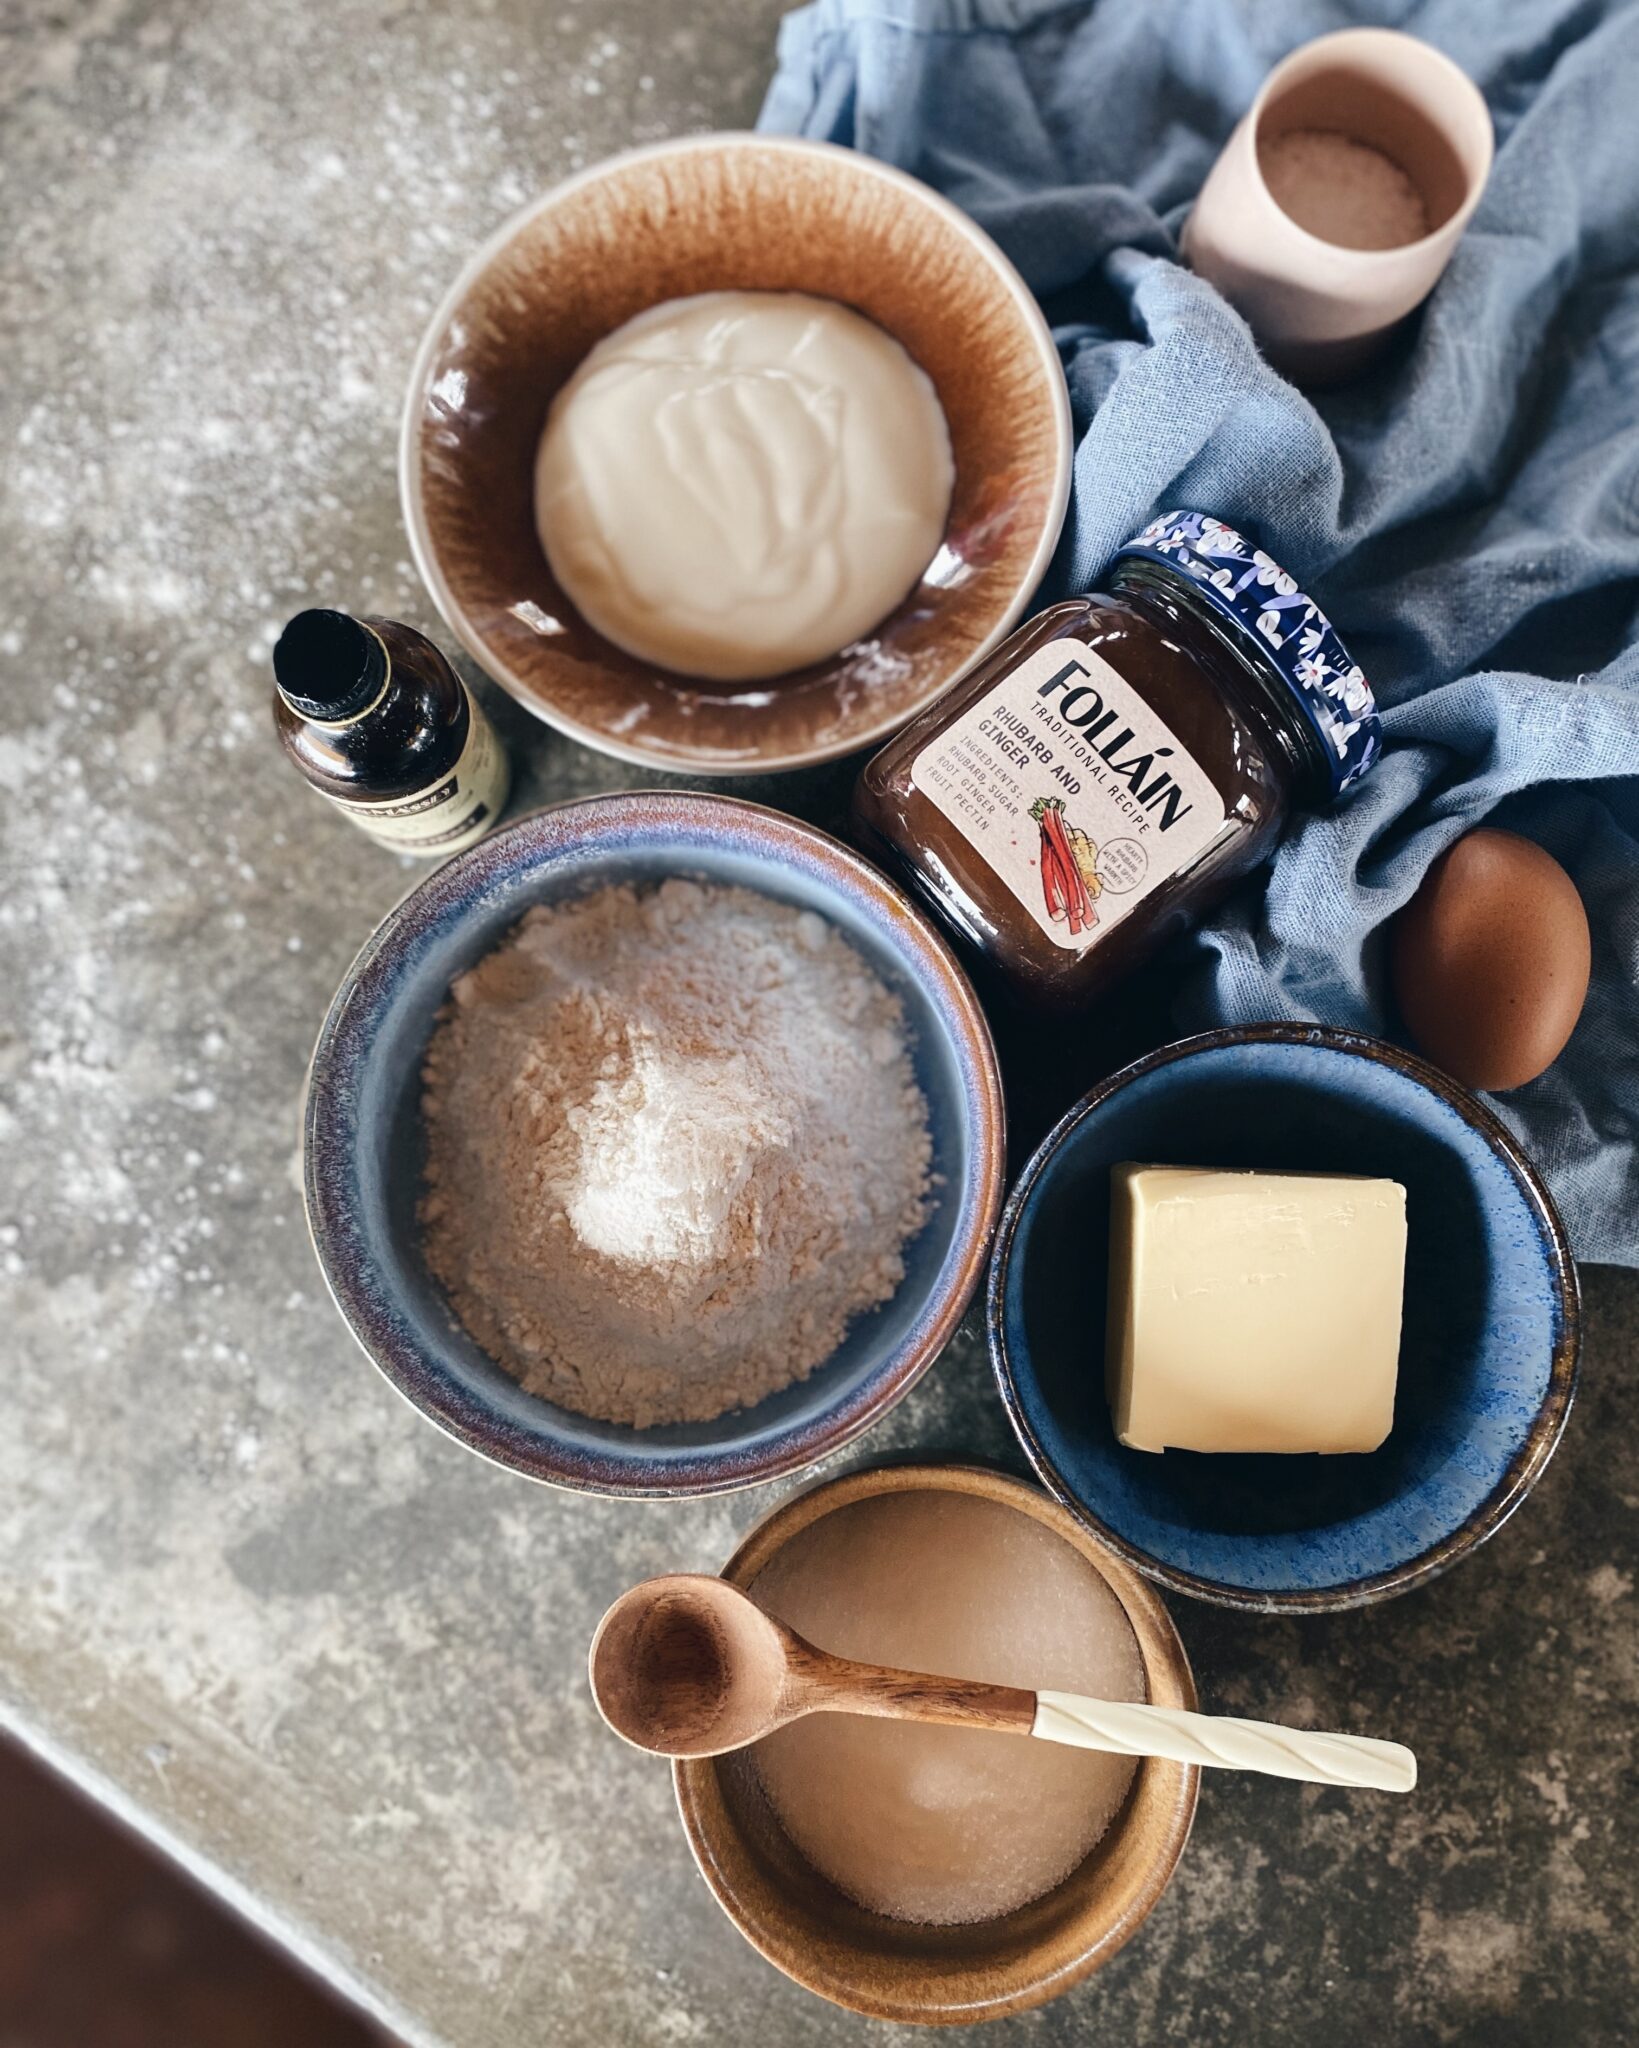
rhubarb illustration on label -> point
(1070, 879)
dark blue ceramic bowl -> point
(363, 1141)
(1488, 1352)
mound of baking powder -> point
(674, 1144)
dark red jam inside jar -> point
(1099, 782)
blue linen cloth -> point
(1467, 511)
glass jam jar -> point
(1103, 778)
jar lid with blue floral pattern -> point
(1289, 629)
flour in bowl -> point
(674, 1145)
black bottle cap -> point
(328, 665)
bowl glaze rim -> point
(538, 1454)
(1523, 1469)
(910, 1472)
(412, 496)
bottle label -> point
(1072, 790)
(451, 813)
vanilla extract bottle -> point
(379, 723)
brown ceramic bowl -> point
(943, 1976)
(719, 213)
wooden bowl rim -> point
(847, 162)
(1167, 1669)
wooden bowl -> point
(943, 1976)
(717, 213)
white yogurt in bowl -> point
(740, 483)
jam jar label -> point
(1073, 791)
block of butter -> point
(1253, 1311)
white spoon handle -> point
(1130, 1730)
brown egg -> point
(1490, 960)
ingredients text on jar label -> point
(1075, 793)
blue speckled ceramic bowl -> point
(1487, 1358)
(362, 1140)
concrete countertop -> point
(330, 1659)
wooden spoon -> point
(690, 1666)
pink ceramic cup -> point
(1320, 311)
